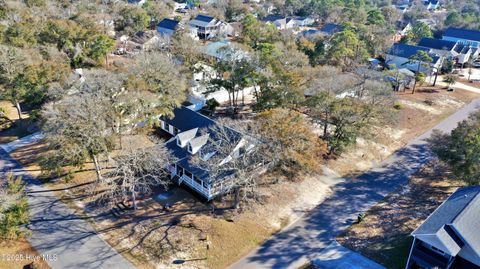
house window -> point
(196, 179)
(188, 174)
(205, 185)
(166, 126)
(178, 142)
(175, 131)
(189, 148)
(241, 151)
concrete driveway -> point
(305, 239)
(65, 239)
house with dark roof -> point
(195, 134)
(167, 27)
(330, 29)
(398, 56)
(456, 51)
(450, 236)
(431, 4)
(207, 27)
(463, 36)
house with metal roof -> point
(450, 236)
(330, 29)
(167, 27)
(207, 27)
(195, 134)
(399, 56)
(463, 36)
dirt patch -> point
(19, 253)
(384, 233)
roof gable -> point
(454, 222)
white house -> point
(207, 27)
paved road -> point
(311, 234)
(58, 232)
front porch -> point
(209, 191)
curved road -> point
(65, 239)
(311, 234)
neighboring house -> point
(399, 57)
(463, 36)
(454, 50)
(310, 33)
(145, 40)
(450, 236)
(402, 8)
(439, 46)
(431, 4)
(431, 23)
(137, 2)
(167, 27)
(402, 29)
(207, 27)
(222, 50)
(283, 23)
(330, 29)
(193, 134)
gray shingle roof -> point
(438, 44)
(457, 218)
(463, 34)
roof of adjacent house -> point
(404, 50)
(204, 18)
(142, 37)
(185, 120)
(168, 24)
(332, 28)
(455, 223)
(439, 44)
(463, 34)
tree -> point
(460, 149)
(11, 68)
(450, 80)
(78, 128)
(159, 74)
(292, 145)
(422, 59)
(132, 19)
(13, 208)
(346, 49)
(100, 47)
(137, 172)
(234, 157)
(234, 75)
(375, 17)
(419, 31)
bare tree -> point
(137, 172)
(232, 158)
